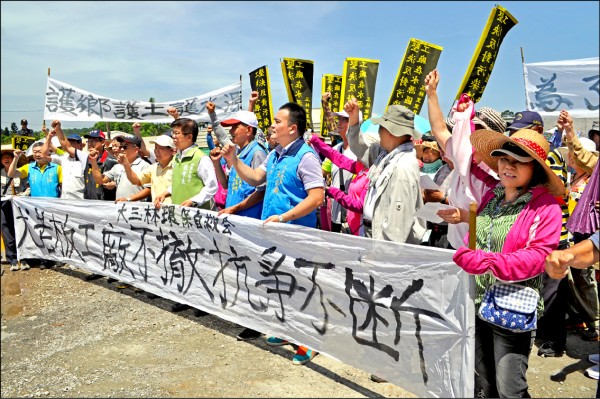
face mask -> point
(432, 167)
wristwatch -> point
(281, 219)
(128, 199)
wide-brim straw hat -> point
(485, 141)
(7, 149)
(426, 144)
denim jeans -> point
(501, 361)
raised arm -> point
(436, 118)
(582, 157)
(339, 159)
(12, 169)
(355, 141)
(131, 175)
(64, 143)
(99, 178)
(252, 101)
(254, 177)
(137, 131)
(215, 157)
(218, 130)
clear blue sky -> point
(174, 50)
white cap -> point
(246, 117)
(345, 115)
(164, 141)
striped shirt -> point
(493, 224)
(557, 163)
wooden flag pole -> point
(472, 225)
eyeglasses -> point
(123, 147)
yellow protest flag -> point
(263, 108)
(298, 78)
(480, 69)
(419, 59)
(358, 80)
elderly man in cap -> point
(96, 141)
(129, 147)
(526, 120)
(160, 174)
(242, 198)
(25, 131)
(394, 194)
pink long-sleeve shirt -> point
(357, 190)
(534, 235)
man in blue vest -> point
(45, 180)
(242, 198)
(295, 186)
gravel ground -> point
(63, 336)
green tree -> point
(508, 114)
(14, 128)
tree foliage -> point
(507, 114)
(14, 128)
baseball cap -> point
(245, 117)
(164, 141)
(75, 137)
(344, 114)
(526, 120)
(514, 151)
(96, 134)
(130, 139)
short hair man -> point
(129, 147)
(45, 178)
(194, 181)
(294, 183)
(25, 131)
(242, 198)
(72, 158)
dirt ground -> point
(63, 336)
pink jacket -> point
(534, 235)
(355, 199)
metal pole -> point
(43, 120)
(524, 80)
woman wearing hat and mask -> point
(518, 225)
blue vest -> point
(44, 183)
(284, 190)
(238, 190)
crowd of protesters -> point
(536, 195)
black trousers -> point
(8, 232)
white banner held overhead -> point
(69, 103)
(402, 312)
(573, 85)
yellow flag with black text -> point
(298, 78)
(419, 59)
(263, 108)
(498, 24)
(358, 80)
(332, 84)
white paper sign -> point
(573, 85)
(429, 211)
(427, 183)
(402, 312)
(68, 103)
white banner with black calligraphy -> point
(69, 103)
(573, 85)
(402, 312)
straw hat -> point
(530, 141)
(7, 149)
(426, 144)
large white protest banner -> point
(69, 103)
(573, 85)
(400, 311)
